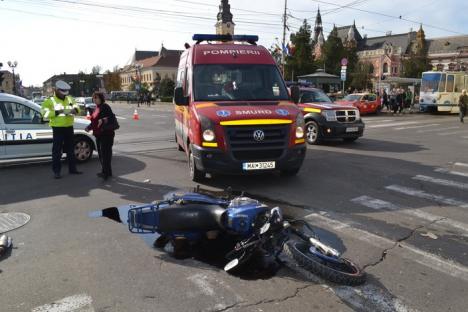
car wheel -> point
(195, 174)
(312, 133)
(83, 149)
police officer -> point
(60, 110)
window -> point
(16, 113)
(459, 83)
(450, 83)
(314, 96)
(385, 68)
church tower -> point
(318, 29)
(351, 41)
(225, 25)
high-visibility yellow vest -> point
(53, 104)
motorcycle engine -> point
(243, 215)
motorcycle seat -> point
(190, 217)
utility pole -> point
(285, 26)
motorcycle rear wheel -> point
(341, 271)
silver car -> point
(24, 134)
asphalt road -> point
(395, 201)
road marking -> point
(159, 116)
(378, 204)
(460, 164)
(424, 258)
(447, 171)
(74, 303)
(439, 129)
(443, 182)
(394, 124)
(370, 120)
(451, 133)
(421, 194)
(119, 117)
(417, 127)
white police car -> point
(25, 135)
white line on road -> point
(438, 129)
(424, 258)
(378, 204)
(395, 124)
(68, 304)
(451, 133)
(447, 171)
(120, 117)
(421, 194)
(371, 120)
(417, 127)
(460, 164)
(443, 182)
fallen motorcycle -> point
(185, 220)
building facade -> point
(81, 84)
(150, 67)
(7, 83)
(449, 53)
(225, 25)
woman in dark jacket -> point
(103, 124)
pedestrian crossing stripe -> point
(424, 195)
(443, 182)
(452, 172)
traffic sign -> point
(343, 76)
(344, 67)
(344, 61)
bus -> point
(123, 96)
(440, 91)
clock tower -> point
(225, 25)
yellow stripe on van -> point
(208, 144)
(312, 110)
(300, 141)
(249, 122)
(204, 105)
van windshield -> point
(238, 82)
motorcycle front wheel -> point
(337, 270)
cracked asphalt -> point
(395, 202)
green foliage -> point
(112, 81)
(167, 87)
(417, 62)
(302, 61)
(333, 52)
(361, 77)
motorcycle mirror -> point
(265, 228)
(231, 265)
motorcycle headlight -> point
(208, 135)
(300, 124)
(329, 115)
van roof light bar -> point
(224, 38)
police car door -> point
(2, 138)
(25, 135)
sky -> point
(48, 37)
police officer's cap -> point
(62, 85)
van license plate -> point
(266, 165)
(352, 129)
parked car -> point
(24, 134)
(327, 120)
(367, 103)
(86, 104)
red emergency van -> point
(233, 112)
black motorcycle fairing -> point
(190, 217)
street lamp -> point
(13, 66)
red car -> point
(367, 103)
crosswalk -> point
(435, 202)
(442, 125)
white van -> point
(24, 134)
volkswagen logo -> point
(259, 135)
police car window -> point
(238, 82)
(16, 113)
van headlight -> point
(300, 124)
(330, 115)
(209, 135)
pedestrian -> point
(385, 100)
(399, 100)
(393, 101)
(103, 123)
(463, 105)
(409, 99)
(61, 109)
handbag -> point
(112, 124)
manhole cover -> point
(12, 220)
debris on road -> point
(430, 235)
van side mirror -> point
(295, 94)
(179, 98)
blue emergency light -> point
(206, 37)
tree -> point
(167, 87)
(333, 52)
(302, 60)
(417, 62)
(96, 70)
(112, 81)
(361, 77)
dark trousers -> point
(462, 113)
(104, 147)
(63, 141)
